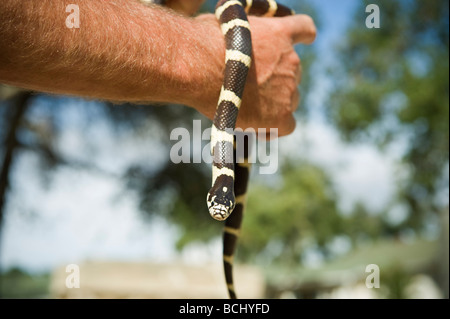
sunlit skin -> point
(125, 51)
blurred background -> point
(363, 179)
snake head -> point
(220, 202)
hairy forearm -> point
(123, 51)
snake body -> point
(230, 177)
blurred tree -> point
(12, 122)
(285, 218)
(392, 88)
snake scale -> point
(230, 177)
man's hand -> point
(271, 95)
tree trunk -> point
(18, 106)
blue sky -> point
(335, 17)
(87, 216)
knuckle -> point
(294, 59)
(287, 110)
(291, 86)
(290, 125)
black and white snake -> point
(229, 177)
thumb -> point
(300, 28)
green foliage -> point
(395, 282)
(393, 85)
(398, 262)
(18, 284)
(301, 208)
(360, 225)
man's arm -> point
(124, 51)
